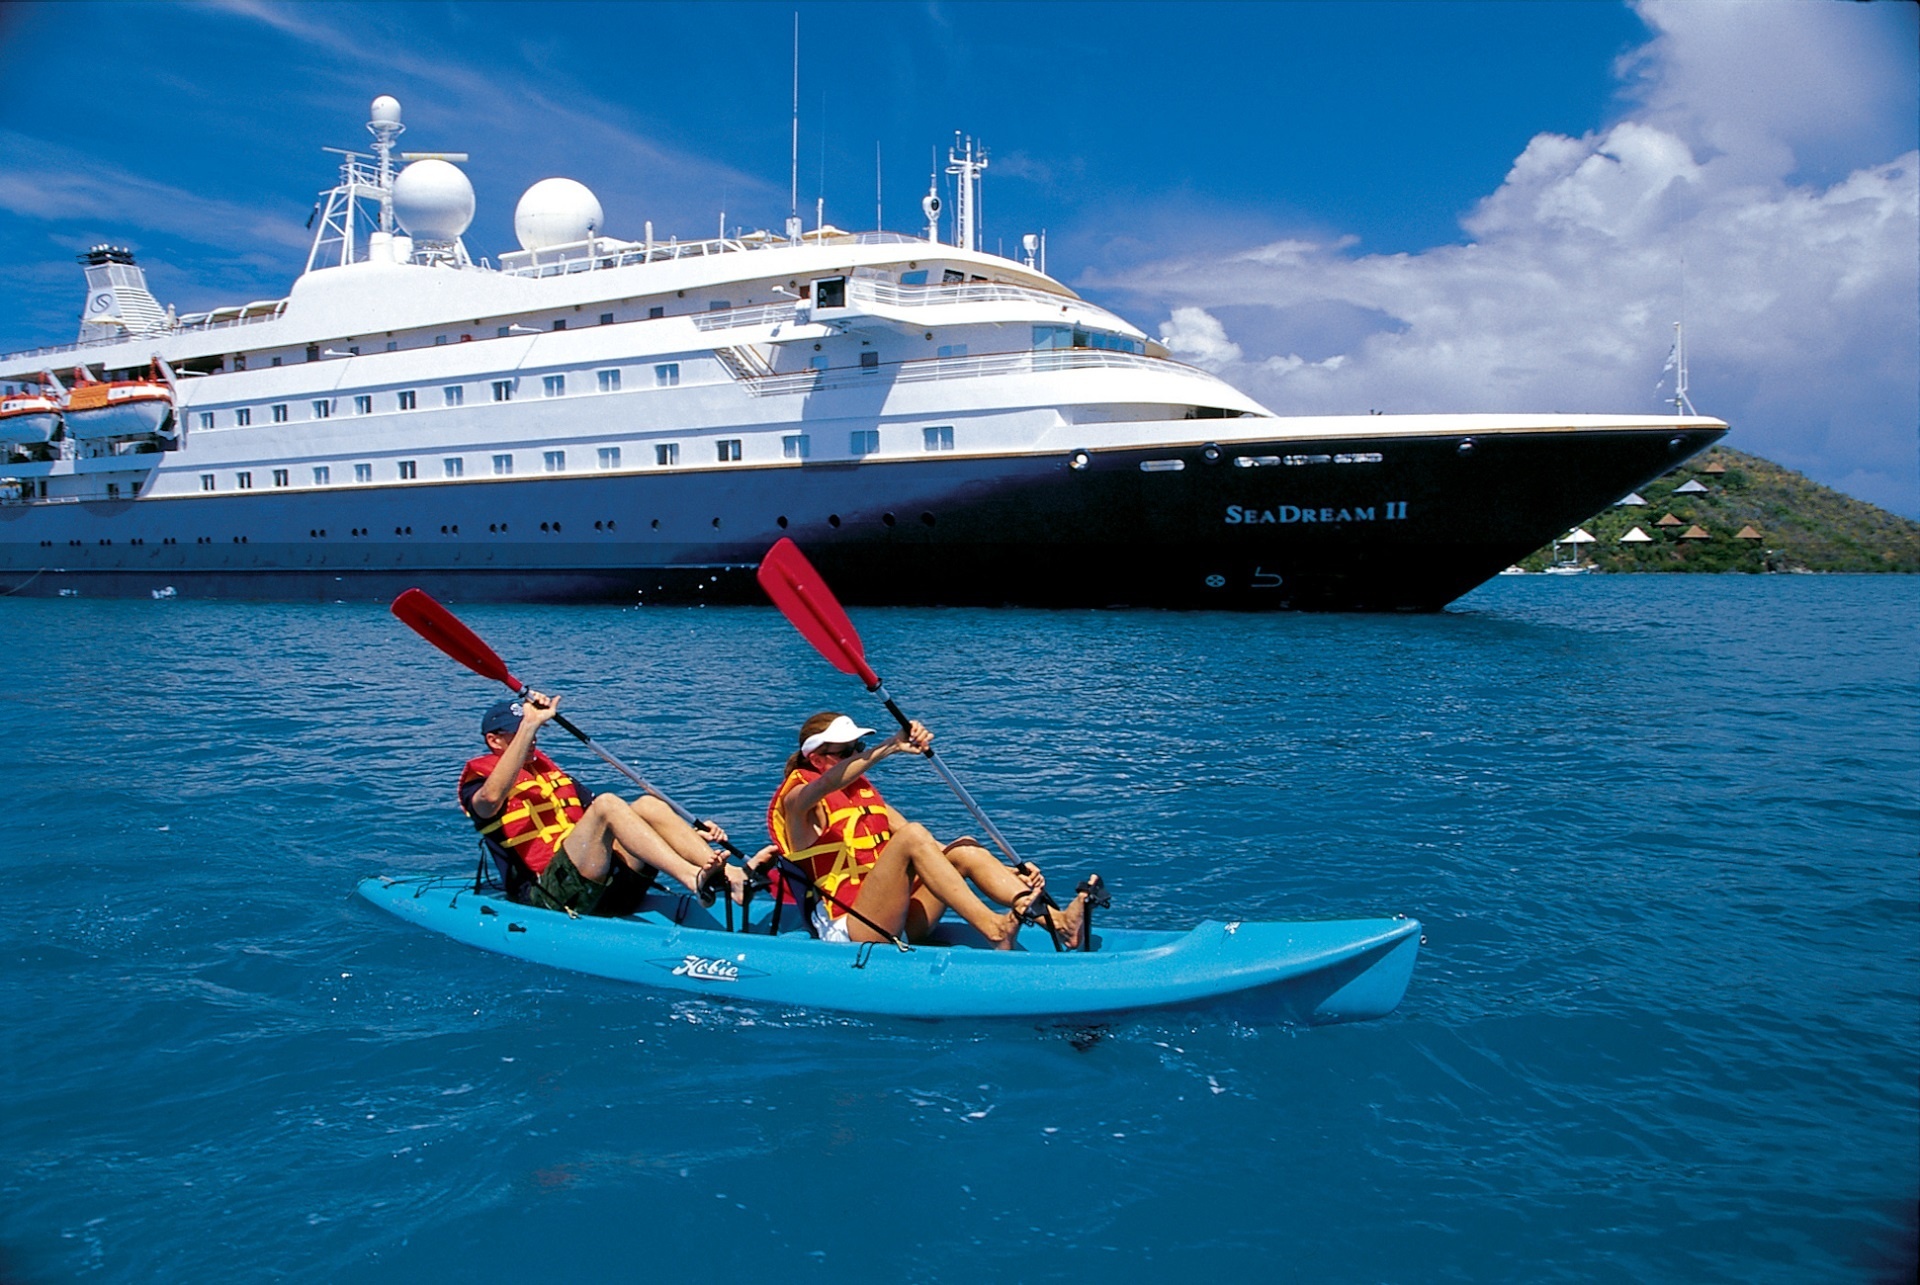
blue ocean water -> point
(1661, 831)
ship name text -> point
(1246, 515)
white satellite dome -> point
(556, 211)
(386, 110)
(433, 200)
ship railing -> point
(218, 319)
(885, 292)
(765, 314)
(660, 251)
(986, 365)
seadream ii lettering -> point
(1244, 515)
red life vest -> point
(853, 826)
(541, 807)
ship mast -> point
(966, 164)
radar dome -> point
(556, 211)
(433, 200)
(386, 110)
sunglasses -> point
(843, 751)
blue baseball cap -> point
(503, 717)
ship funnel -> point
(118, 304)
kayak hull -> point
(1308, 972)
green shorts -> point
(561, 887)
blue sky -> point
(1339, 207)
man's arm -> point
(492, 794)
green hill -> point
(1801, 525)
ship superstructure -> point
(605, 418)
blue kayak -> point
(1344, 970)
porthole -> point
(927, 519)
(609, 524)
(656, 524)
(833, 520)
(716, 524)
(543, 526)
(1466, 446)
(598, 526)
(556, 528)
(1211, 452)
(886, 519)
(781, 521)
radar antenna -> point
(966, 163)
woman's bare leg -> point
(1003, 883)
(912, 852)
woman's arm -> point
(798, 805)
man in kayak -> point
(864, 856)
(572, 843)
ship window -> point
(313, 352)
(363, 472)
(938, 439)
(502, 465)
(560, 323)
(393, 345)
(322, 409)
(239, 361)
(322, 475)
(863, 441)
(503, 390)
(796, 446)
(113, 490)
(830, 292)
(556, 461)
(606, 319)
(206, 481)
(818, 363)
(206, 419)
(279, 412)
(453, 466)
(666, 453)
(363, 404)
(918, 278)
(952, 278)
(276, 361)
(656, 312)
(953, 350)
(666, 376)
(280, 477)
(555, 385)
(406, 400)
(609, 457)
(869, 361)
(609, 381)
(505, 331)
(439, 339)
(243, 480)
(728, 449)
(455, 394)
(409, 470)
(244, 416)
(719, 305)
(1052, 337)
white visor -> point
(841, 731)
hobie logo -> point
(1391, 511)
(707, 970)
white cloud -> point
(1799, 296)
(1195, 334)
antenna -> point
(879, 222)
(793, 189)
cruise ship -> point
(596, 418)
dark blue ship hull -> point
(1365, 524)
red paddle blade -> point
(433, 622)
(804, 599)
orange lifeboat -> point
(121, 408)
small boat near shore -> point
(1313, 972)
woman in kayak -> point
(828, 819)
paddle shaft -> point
(953, 782)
